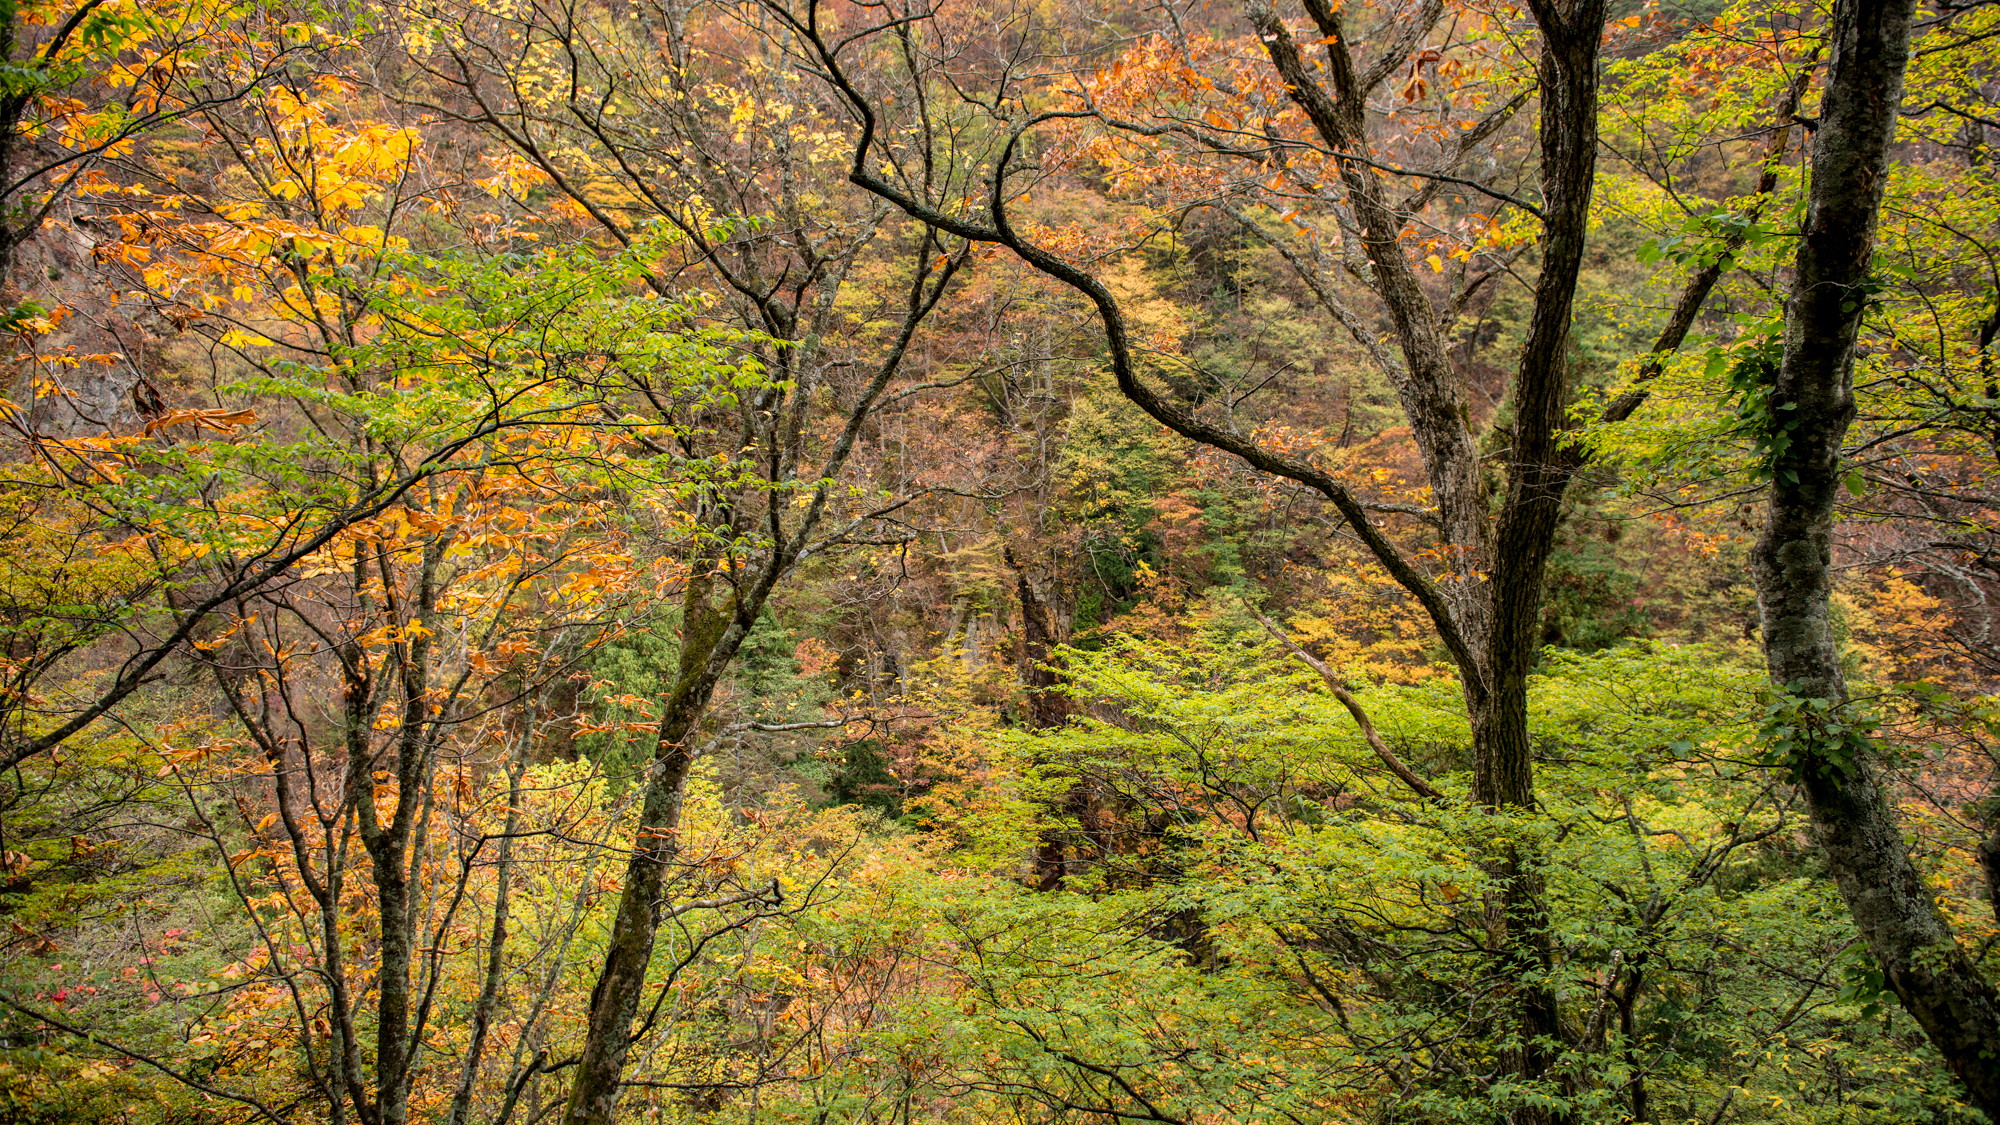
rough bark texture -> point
(1042, 630)
(1792, 563)
(1427, 386)
(1538, 476)
(1045, 707)
(709, 641)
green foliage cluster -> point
(1274, 928)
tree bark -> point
(496, 941)
(1047, 708)
(1813, 402)
(710, 636)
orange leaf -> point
(221, 421)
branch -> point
(143, 1060)
(1117, 337)
(1388, 757)
(768, 896)
(134, 674)
(1695, 293)
(1412, 33)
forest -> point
(1036, 562)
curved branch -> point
(260, 1108)
(1118, 339)
(1333, 682)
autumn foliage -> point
(897, 563)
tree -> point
(430, 694)
(485, 411)
(86, 81)
(1486, 607)
(631, 141)
(1342, 939)
(1818, 733)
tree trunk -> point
(496, 941)
(1047, 708)
(710, 636)
(1792, 563)
(1538, 476)
(1488, 624)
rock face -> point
(98, 369)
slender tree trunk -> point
(496, 942)
(1792, 563)
(12, 212)
(394, 849)
(710, 636)
(1047, 708)
(1641, 1111)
